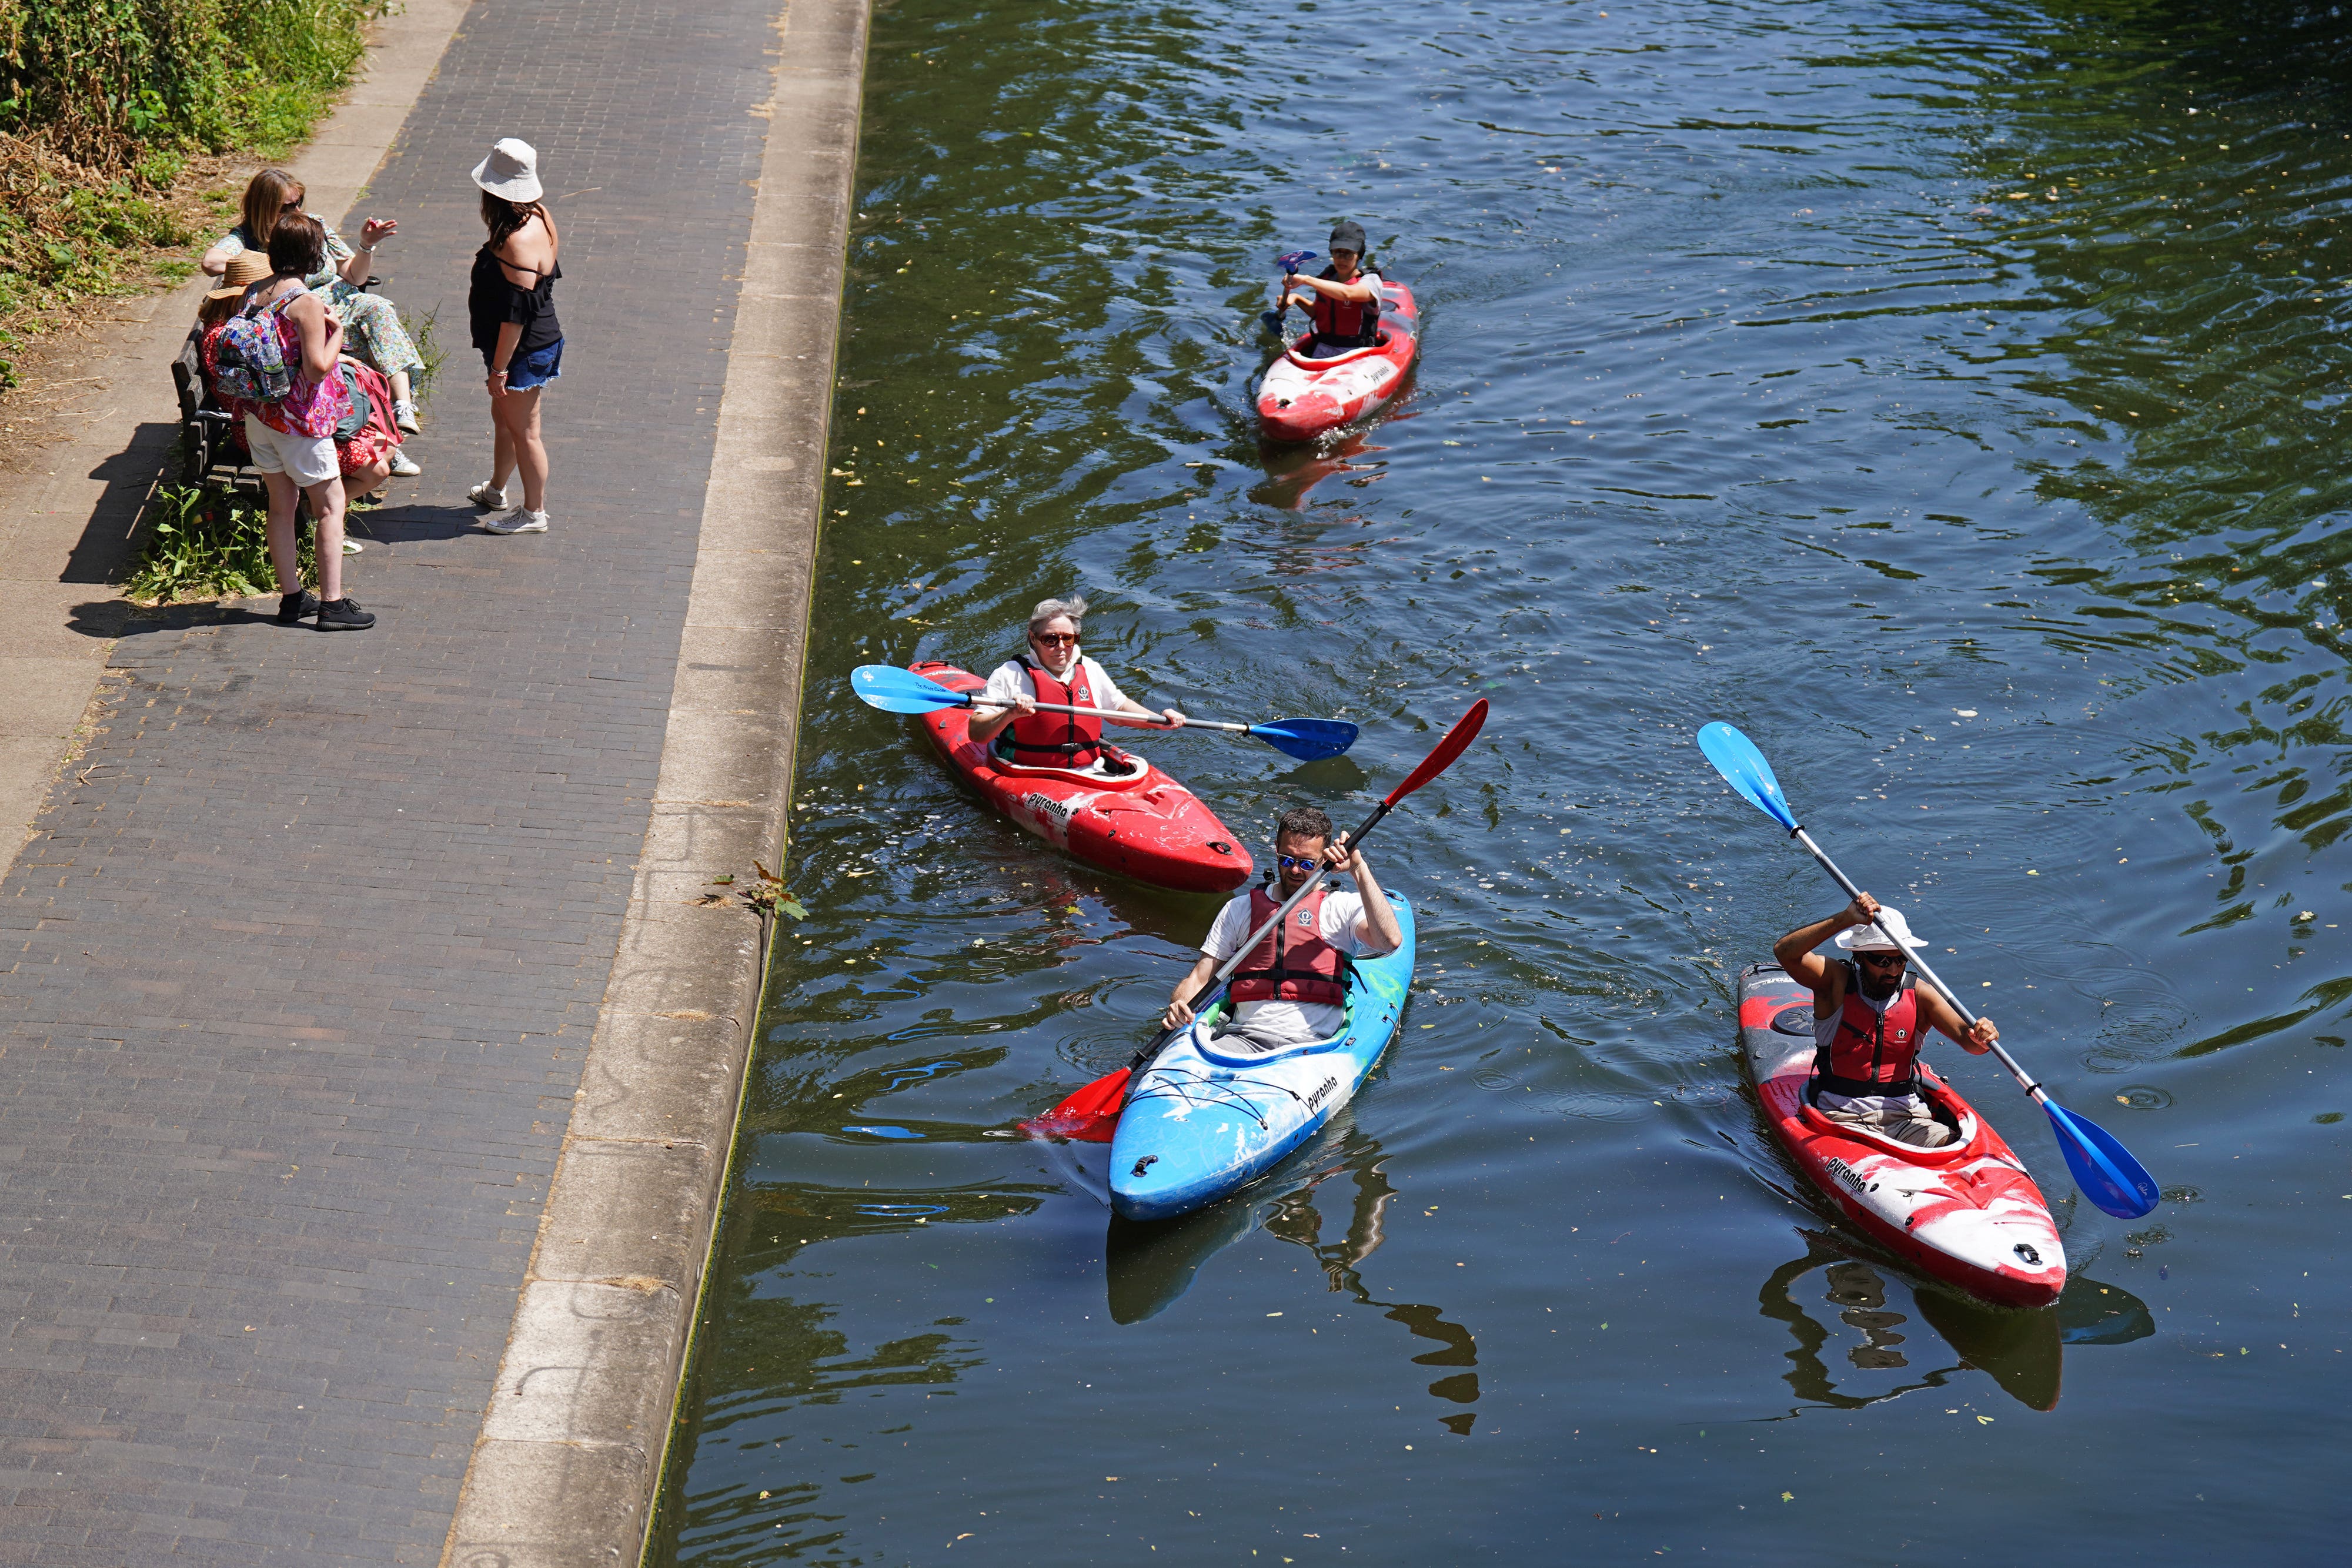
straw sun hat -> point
(246, 269)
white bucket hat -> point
(1866, 939)
(510, 171)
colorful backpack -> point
(249, 358)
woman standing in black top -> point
(512, 306)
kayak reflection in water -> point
(1293, 988)
(1869, 1023)
(1054, 671)
(1343, 302)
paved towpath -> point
(298, 974)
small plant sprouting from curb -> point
(767, 895)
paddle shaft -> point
(1926, 973)
(1150, 720)
(1226, 970)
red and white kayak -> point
(1966, 1214)
(1139, 823)
(1301, 397)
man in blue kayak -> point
(1293, 988)
(1054, 671)
(1343, 300)
(1869, 1023)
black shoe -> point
(343, 614)
(299, 605)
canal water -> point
(1949, 396)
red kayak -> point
(1301, 397)
(1966, 1214)
(1139, 822)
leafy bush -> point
(109, 83)
(103, 101)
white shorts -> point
(307, 460)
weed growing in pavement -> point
(769, 897)
(202, 544)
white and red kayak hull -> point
(1302, 398)
(1966, 1214)
(1144, 825)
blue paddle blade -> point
(1307, 739)
(1292, 260)
(894, 690)
(1743, 769)
(2103, 1167)
(1271, 320)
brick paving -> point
(296, 983)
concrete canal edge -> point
(567, 1465)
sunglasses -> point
(1883, 960)
(292, 205)
(1293, 863)
(1054, 639)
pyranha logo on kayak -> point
(1059, 812)
(1322, 1092)
(1848, 1174)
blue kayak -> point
(1209, 1116)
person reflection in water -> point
(1869, 1022)
(1054, 671)
(1293, 988)
(1343, 299)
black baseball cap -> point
(1348, 236)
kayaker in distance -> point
(1869, 1022)
(1292, 990)
(1056, 672)
(1343, 302)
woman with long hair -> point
(511, 306)
(292, 434)
(370, 322)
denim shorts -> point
(535, 368)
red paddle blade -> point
(1087, 1116)
(1457, 740)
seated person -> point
(370, 322)
(368, 441)
(1293, 988)
(1343, 300)
(1057, 673)
(1869, 1023)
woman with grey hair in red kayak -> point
(1055, 671)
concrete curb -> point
(567, 1465)
(67, 533)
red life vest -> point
(1292, 963)
(1056, 739)
(1872, 1052)
(1346, 321)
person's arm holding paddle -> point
(1180, 1003)
(1377, 931)
(1975, 1039)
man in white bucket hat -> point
(1869, 1023)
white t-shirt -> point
(1012, 680)
(1277, 1024)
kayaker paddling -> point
(1055, 671)
(1343, 299)
(1869, 1022)
(1292, 988)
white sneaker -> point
(404, 415)
(518, 521)
(403, 464)
(488, 496)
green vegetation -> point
(103, 106)
(202, 544)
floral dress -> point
(370, 322)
